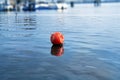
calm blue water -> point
(91, 48)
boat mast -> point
(16, 7)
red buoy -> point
(57, 38)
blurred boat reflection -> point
(57, 50)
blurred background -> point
(32, 5)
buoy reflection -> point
(57, 50)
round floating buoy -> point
(57, 38)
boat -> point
(45, 6)
(6, 7)
(9, 8)
(50, 6)
(29, 7)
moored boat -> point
(45, 6)
(50, 6)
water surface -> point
(91, 48)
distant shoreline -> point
(93, 2)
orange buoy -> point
(57, 38)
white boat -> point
(45, 6)
(9, 7)
(50, 6)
